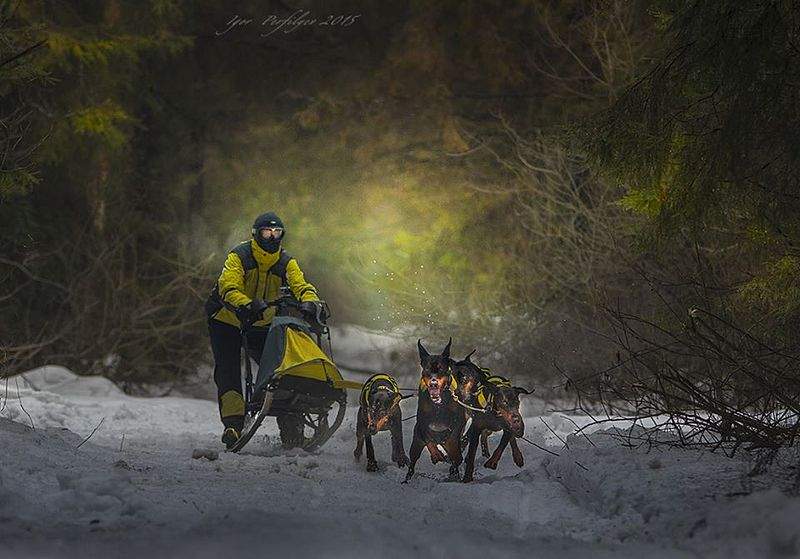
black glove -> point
(252, 311)
(309, 307)
(315, 309)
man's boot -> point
(230, 436)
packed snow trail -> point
(147, 494)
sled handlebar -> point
(321, 314)
(318, 319)
(285, 300)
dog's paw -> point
(491, 464)
(467, 478)
(455, 475)
(372, 466)
(519, 460)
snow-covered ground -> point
(134, 488)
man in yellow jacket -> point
(253, 274)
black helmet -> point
(268, 220)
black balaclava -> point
(268, 219)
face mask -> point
(269, 238)
(270, 245)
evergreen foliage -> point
(707, 141)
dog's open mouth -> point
(436, 393)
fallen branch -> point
(90, 434)
(539, 447)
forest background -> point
(566, 185)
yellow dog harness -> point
(485, 399)
(364, 398)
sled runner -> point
(296, 381)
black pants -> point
(226, 344)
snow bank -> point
(49, 485)
(691, 498)
(60, 380)
(55, 397)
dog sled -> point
(297, 382)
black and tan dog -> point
(380, 411)
(493, 404)
(440, 420)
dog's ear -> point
(446, 350)
(467, 358)
(423, 353)
(521, 390)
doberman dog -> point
(493, 404)
(379, 411)
(440, 420)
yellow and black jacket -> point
(250, 273)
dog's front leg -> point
(416, 451)
(453, 447)
(359, 447)
(398, 452)
(516, 453)
(359, 436)
(491, 463)
(485, 443)
(469, 465)
(372, 465)
(465, 437)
